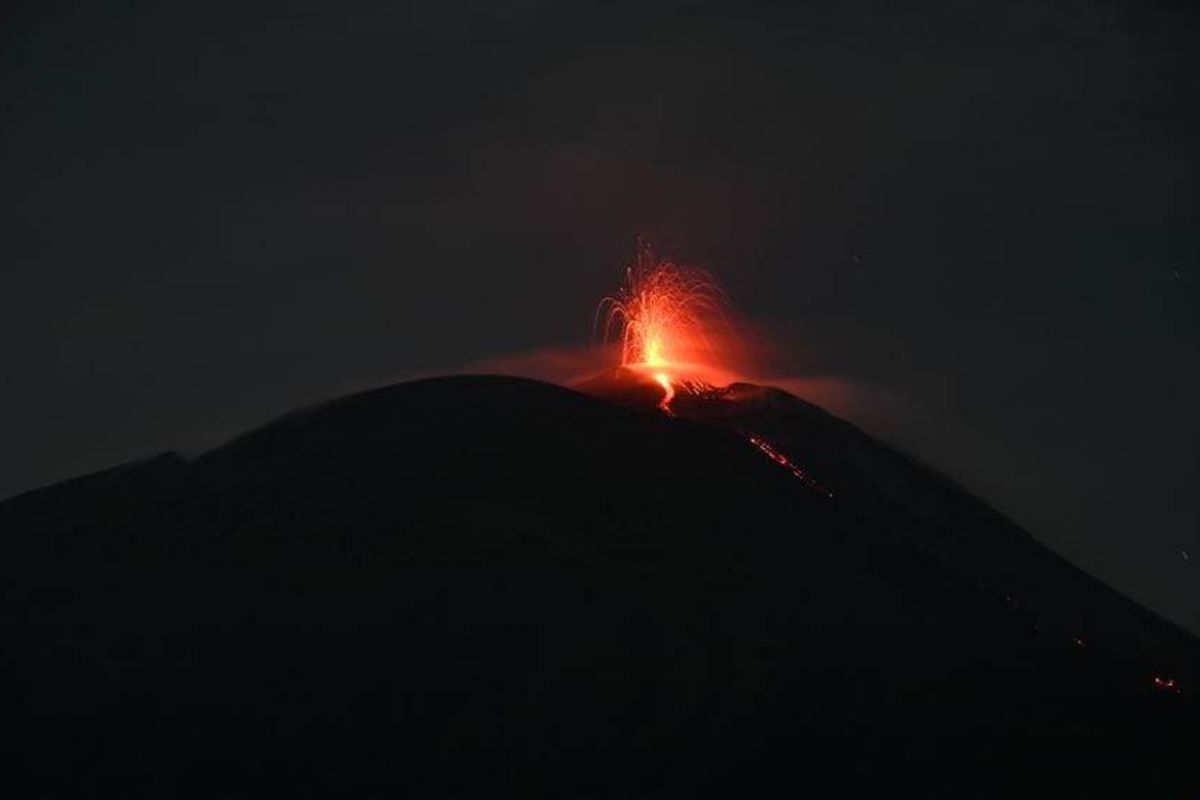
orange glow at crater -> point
(667, 319)
(672, 328)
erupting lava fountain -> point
(669, 321)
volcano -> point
(483, 585)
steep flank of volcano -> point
(483, 584)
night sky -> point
(974, 228)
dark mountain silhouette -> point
(482, 585)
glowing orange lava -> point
(664, 318)
(667, 319)
(668, 391)
(785, 462)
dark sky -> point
(981, 218)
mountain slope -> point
(489, 584)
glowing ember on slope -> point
(785, 462)
(1166, 684)
(664, 318)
